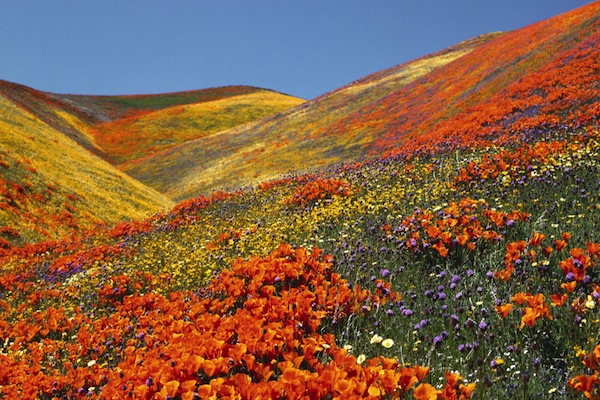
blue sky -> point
(303, 48)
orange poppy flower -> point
(593, 248)
(560, 244)
(519, 298)
(441, 249)
(407, 378)
(558, 299)
(421, 372)
(426, 392)
(569, 287)
(504, 309)
(584, 383)
(537, 238)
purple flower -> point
(458, 295)
(390, 312)
(489, 274)
(442, 274)
(570, 277)
(482, 325)
(461, 347)
(407, 312)
(437, 340)
(470, 272)
(455, 279)
(420, 324)
(385, 272)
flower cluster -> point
(319, 189)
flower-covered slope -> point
(51, 186)
(468, 269)
(465, 275)
(286, 142)
(144, 132)
(55, 150)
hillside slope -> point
(499, 87)
(59, 152)
(51, 186)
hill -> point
(282, 143)
(461, 267)
(59, 174)
(496, 87)
(145, 132)
(51, 186)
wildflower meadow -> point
(471, 274)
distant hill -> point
(51, 186)
(290, 141)
(143, 132)
(497, 87)
(59, 154)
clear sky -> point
(303, 48)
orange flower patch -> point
(319, 189)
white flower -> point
(387, 343)
(361, 359)
(376, 339)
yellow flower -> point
(590, 303)
(387, 343)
